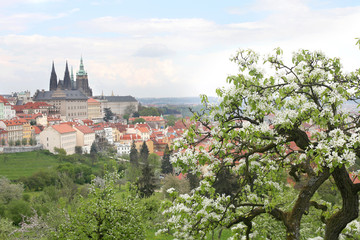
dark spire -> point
(67, 79)
(53, 79)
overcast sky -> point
(163, 48)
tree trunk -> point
(302, 204)
(350, 205)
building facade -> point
(85, 137)
(119, 105)
(6, 110)
(70, 103)
(94, 109)
(59, 136)
(14, 129)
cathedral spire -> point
(53, 79)
(67, 80)
(81, 71)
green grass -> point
(16, 165)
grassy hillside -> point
(15, 165)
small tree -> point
(166, 166)
(146, 182)
(144, 153)
(93, 148)
(17, 142)
(154, 160)
(11, 143)
(134, 155)
(108, 114)
(10, 191)
(3, 142)
(138, 120)
(78, 150)
(61, 153)
(31, 141)
(24, 141)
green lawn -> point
(15, 165)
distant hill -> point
(174, 101)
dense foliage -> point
(102, 216)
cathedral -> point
(68, 82)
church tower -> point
(82, 82)
(53, 79)
(67, 79)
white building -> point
(123, 148)
(6, 111)
(59, 136)
(109, 135)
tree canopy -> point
(108, 114)
(278, 122)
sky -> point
(163, 48)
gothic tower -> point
(82, 82)
(67, 80)
(53, 79)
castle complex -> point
(73, 99)
(68, 82)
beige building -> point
(85, 137)
(94, 109)
(119, 105)
(59, 136)
(14, 129)
(70, 103)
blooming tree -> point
(276, 122)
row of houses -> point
(53, 132)
(68, 104)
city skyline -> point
(162, 48)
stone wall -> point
(15, 149)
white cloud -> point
(171, 57)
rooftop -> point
(63, 128)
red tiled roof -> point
(36, 105)
(3, 100)
(91, 100)
(85, 129)
(12, 122)
(170, 130)
(37, 130)
(143, 129)
(354, 178)
(130, 137)
(97, 127)
(88, 122)
(63, 128)
(149, 118)
(3, 130)
(28, 116)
